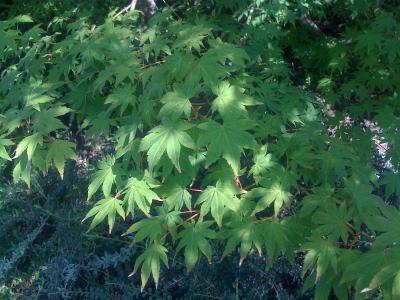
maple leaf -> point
(167, 137)
(216, 199)
(103, 177)
(194, 238)
(121, 98)
(388, 224)
(107, 207)
(333, 222)
(151, 228)
(262, 163)
(29, 145)
(177, 197)
(322, 254)
(3, 151)
(138, 193)
(227, 139)
(231, 100)
(275, 194)
(391, 182)
(58, 152)
(177, 103)
(149, 261)
(209, 69)
(246, 233)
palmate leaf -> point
(231, 100)
(107, 207)
(227, 140)
(149, 261)
(275, 194)
(3, 152)
(177, 197)
(209, 69)
(151, 228)
(59, 151)
(138, 193)
(391, 182)
(168, 137)
(216, 199)
(29, 144)
(177, 103)
(375, 269)
(320, 254)
(332, 222)
(364, 202)
(262, 163)
(245, 232)
(194, 238)
(121, 98)
(388, 224)
(103, 177)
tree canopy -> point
(263, 126)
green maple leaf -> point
(245, 232)
(103, 177)
(138, 193)
(3, 151)
(149, 261)
(227, 139)
(320, 198)
(364, 201)
(121, 98)
(177, 197)
(275, 194)
(231, 100)
(333, 222)
(59, 151)
(167, 137)
(177, 103)
(388, 224)
(151, 228)
(194, 238)
(216, 199)
(262, 163)
(321, 254)
(209, 69)
(107, 207)
(226, 51)
(29, 144)
(391, 182)
(277, 237)
(190, 36)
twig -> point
(129, 7)
(195, 190)
(359, 231)
(263, 220)
(179, 225)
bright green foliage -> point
(107, 207)
(104, 177)
(217, 199)
(227, 140)
(272, 126)
(149, 262)
(167, 137)
(195, 237)
(138, 193)
(59, 151)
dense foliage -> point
(261, 126)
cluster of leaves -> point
(247, 122)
